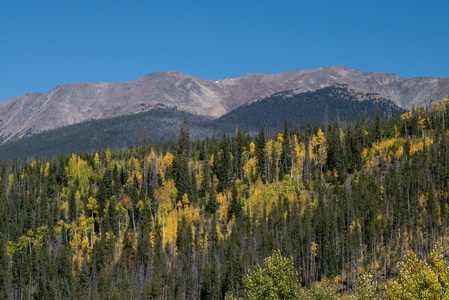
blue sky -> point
(44, 43)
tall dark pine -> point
(181, 172)
(286, 155)
(376, 129)
(260, 155)
(306, 174)
(237, 149)
(235, 207)
(223, 165)
(206, 183)
(335, 151)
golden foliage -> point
(223, 205)
(168, 159)
(96, 160)
(421, 280)
(79, 169)
(318, 147)
(417, 145)
(252, 148)
(440, 106)
(134, 170)
(169, 229)
(406, 116)
(250, 169)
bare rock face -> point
(75, 103)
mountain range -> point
(75, 103)
(161, 125)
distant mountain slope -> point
(162, 125)
(75, 103)
(313, 107)
(159, 125)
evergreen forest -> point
(346, 209)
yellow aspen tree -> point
(300, 154)
(80, 169)
(223, 206)
(250, 169)
(85, 228)
(170, 227)
(421, 280)
(318, 150)
(96, 160)
(123, 219)
(278, 279)
(168, 159)
(45, 169)
(134, 171)
(107, 157)
(151, 156)
(166, 196)
(185, 200)
(256, 202)
(92, 205)
(252, 148)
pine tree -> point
(286, 155)
(223, 165)
(181, 171)
(237, 150)
(334, 157)
(206, 183)
(235, 207)
(261, 155)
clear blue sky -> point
(44, 43)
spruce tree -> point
(286, 155)
(223, 164)
(261, 155)
(181, 172)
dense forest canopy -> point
(189, 219)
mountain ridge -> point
(74, 103)
(161, 125)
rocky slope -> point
(75, 103)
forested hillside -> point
(188, 220)
(316, 107)
(159, 125)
